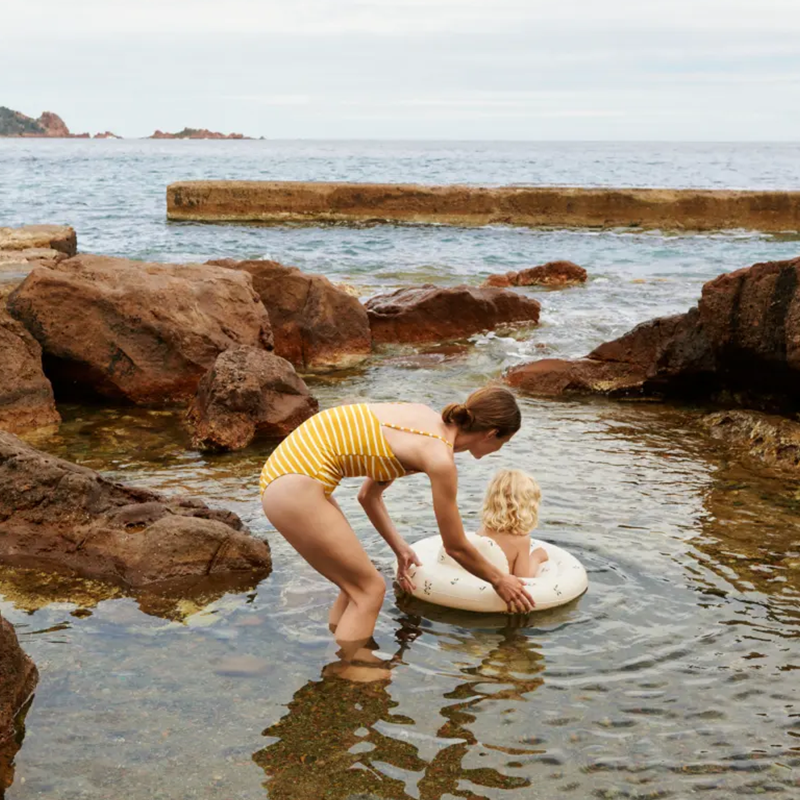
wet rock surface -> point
(26, 396)
(767, 438)
(316, 325)
(431, 313)
(61, 238)
(553, 273)
(66, 517)
(18, 678)
(135, 331)
(248, 393)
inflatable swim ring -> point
(441, 580)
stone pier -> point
(372, 203)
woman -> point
(383, 442)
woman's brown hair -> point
(485, 409)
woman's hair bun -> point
(490, 408)
(458, 414)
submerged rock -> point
(57, 515)
(26, 396)
(145, 333)
(248, 393)
(741, 343)
(316, 325)
(770, 439)
(553, 273)
(431, 313)
(18, 678)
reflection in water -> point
(341, 738)
(176, 600)
(9, 748)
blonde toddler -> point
(510, 513)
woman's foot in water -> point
(357, 673)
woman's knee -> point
(368, 593)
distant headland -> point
(15, 124)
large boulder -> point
(18, 678)
(431, 313)
(26, 396)
(752, 320)
(248, 393)
(741, 344)
(317, 326)
(128, 330)
(57, 515)
(553, 273)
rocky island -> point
(197, 133)
(15, 124)
(47, 126)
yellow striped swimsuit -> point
(342, 442)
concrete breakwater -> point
(369, 203)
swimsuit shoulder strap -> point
(414, 430)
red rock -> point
(555, 377)
(59, 516)
(742, 342)
(50, 237)
(431, 313)
(248, 393)
(23, 261)
(53, 124)
(316, 325)
(501, 281)
(26, 396)
(107, 135)
(18, 678)
(128, 330)
(665, 349)
(752, 317)
(553, 273)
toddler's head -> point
(512, 503)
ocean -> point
(674, 675)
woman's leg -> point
(337, 609)
(296, 505)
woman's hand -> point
(406, 559)
(513, 593)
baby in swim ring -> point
(510, 513)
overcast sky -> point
(410, 69)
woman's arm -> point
(444, 486)
(371, 498)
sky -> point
(683, 70)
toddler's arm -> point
(522, 563)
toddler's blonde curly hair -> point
(512, 502)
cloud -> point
(411, 68)
(312, 18)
